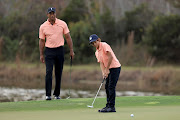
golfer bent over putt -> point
(51, 37)
(110, 68)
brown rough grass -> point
(161, 80)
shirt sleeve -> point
(41, 34)
(66, 29)
(106, 48)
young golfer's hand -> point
(106, 73)
(103, 75)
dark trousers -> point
(54, 57)
(110, 86)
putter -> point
(70, 77)
(91, 106)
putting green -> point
(143, 108)
(140, 113)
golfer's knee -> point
(111, 87)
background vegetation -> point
(141, 28)
(140, 35)
(164, 80)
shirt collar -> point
(100, 46)
(50, 23)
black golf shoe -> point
(107, 109)
(103, 109)
(48, 97)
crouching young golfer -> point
(110, 68)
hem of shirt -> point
(55, 47)
(115, 67)
(42, 38)
(67, 33)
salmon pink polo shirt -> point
(53, 33)
(101, 55)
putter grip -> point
(103, 80)
(71, 61)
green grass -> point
(90, 67)
(144, 108)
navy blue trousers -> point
(110, 86)
(54, 57)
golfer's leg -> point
(114, 76)
(49, 60)
(58, 72)
(107, 91)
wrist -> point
(107, 68)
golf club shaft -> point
(98, 91)
(70, 75)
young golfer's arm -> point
(41, 49)
(70, 44)
(102, 68)
(106, 71)
(109, 59)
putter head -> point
(68, 97)
(89, 106)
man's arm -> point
(70, 44)
(41, 49)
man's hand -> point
(72, 54)
(42, 58)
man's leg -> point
(58, 71)
(49, 60)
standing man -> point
(51, 37)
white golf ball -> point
(132, 115)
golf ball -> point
(132, 115)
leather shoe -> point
(48, 97)
(107, 109)
(103, 109)
(57, 97)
